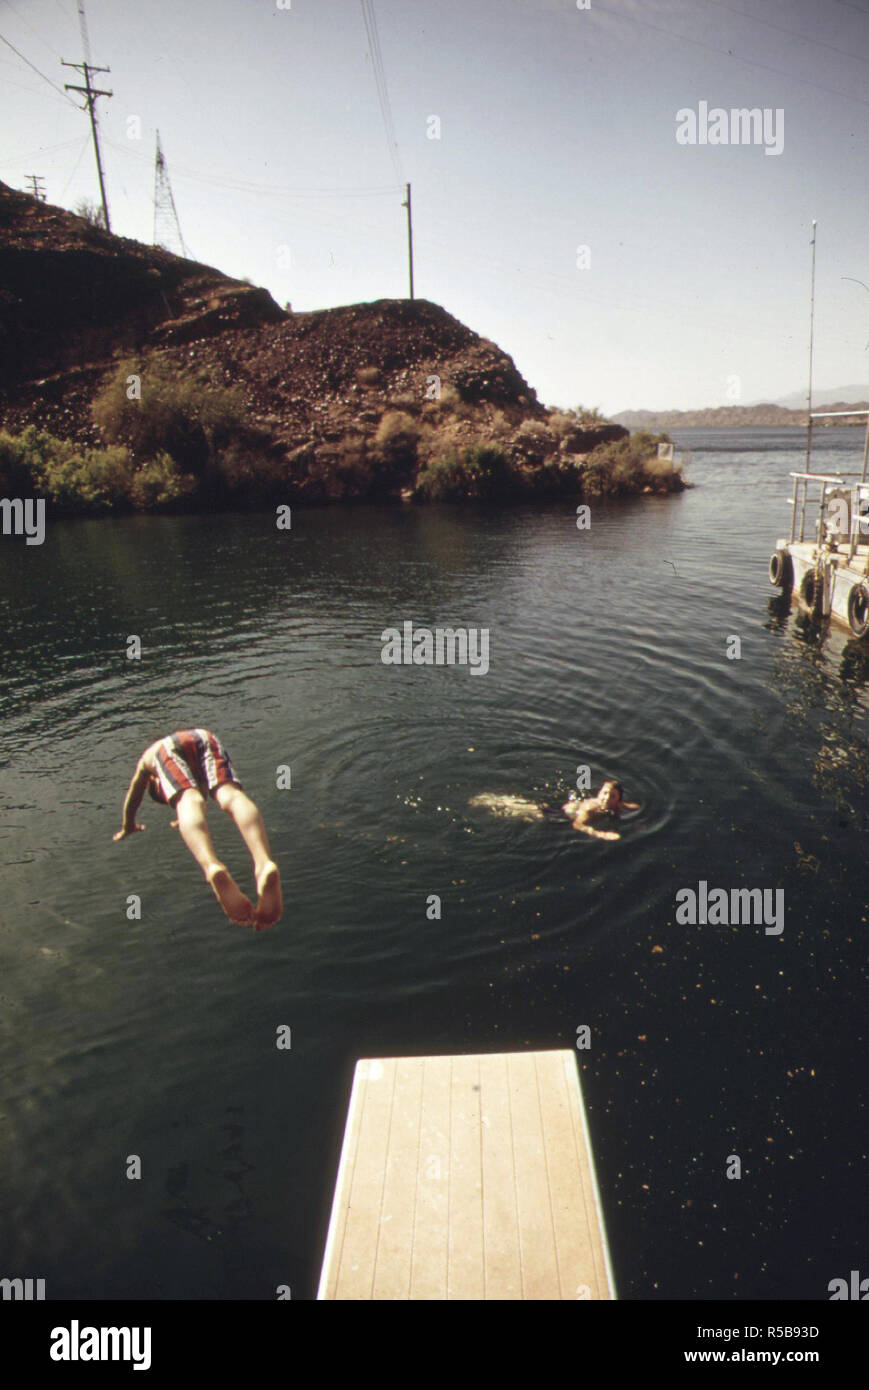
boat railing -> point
(855, 494)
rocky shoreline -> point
(240, 401)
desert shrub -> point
(562, 423)
(91, 212)
(588, 415)
(629, 465)
(407, 401)
(183, 415)
(534, 441)
(72, 477)
(353, 466)
(158, 485)
(442, 478)
(478, 470)
(87, 480)
(22, 456)
(396, 429)
(396, 441)
(448, 401)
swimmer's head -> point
(610, 795)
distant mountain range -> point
(797, 399)
(789, 410)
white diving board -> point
(467, 1178)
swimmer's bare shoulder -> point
(609, 801)
(582, 812)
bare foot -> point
(270, 904)
(237, 906)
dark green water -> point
(607, 647)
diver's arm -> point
(132, 801)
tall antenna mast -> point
(811, 352)
(83, 28)
(167, 228)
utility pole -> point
(811, 354)
(406, 204)
(90, 95)
(36, 188)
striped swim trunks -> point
(190, 758)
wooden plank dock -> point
(467, 1178)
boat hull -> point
(838, 576)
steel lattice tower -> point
(167, 228)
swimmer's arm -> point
(581, 823)
(132, 801)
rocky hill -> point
(342, 403)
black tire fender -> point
(781, 570)
(858, 610)
(812, 591)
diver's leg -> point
(244, 812)
(190, 810)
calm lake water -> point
(608, 648)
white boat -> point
(824, 562)
(827, 570)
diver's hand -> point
(127, 830)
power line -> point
(84, 145)
(268, 190)
(370, 19)
(29, 26)
(728, 53)
(42, 149)
(36, 70)
(779, 28)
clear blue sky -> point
(558, 129)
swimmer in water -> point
(583, 812)
(181, 771)
(608, 802)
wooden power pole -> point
(406, 204)
(90, 95)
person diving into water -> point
(181, 771)
(583, 812)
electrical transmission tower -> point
(167, 228)
(36, 186)
(90, 95)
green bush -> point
(396, 442)
(478, 470)
(158, 485)
(21, 457)
(86, 481)
(73, 478)
(628, 466)
(182, 415)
